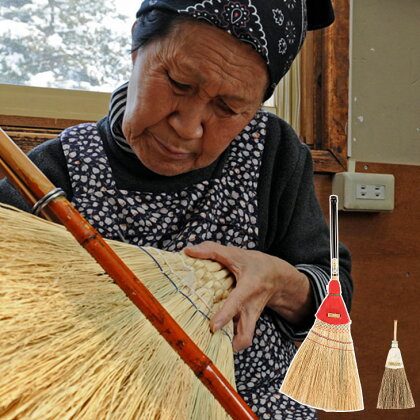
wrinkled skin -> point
(261, 280)
(189, 95)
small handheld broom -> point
(395, 390)
(323, 374)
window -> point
(82, 45)
(79, 44)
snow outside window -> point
(68, 44)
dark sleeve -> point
(49, 157)
(301, 235)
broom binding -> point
(44, 201)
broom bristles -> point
(395, 390)
(72, 345)
(323, 373)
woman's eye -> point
(225, 108)
(178, 85)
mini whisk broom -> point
(73, 346)
(395, 390)
(323, 374)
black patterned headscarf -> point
(275, 28)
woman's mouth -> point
(170, 151)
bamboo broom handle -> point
(395, 329)
(14, 161)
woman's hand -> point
(261, 280)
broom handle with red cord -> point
(28, 179)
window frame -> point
(55, 103)
(325, 92)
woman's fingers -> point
(245, 314)
(207, 250)
(244, 306)
(261, 280)
(245, 329)
(247, 301)
(226, 313)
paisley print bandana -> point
(276, 29)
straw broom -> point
(395, 390)
(49, 202)
(72, 345)
(323, 374)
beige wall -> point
(385, 97)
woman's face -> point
(189, 95)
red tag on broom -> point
(323, 373)
(333, 309)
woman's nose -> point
(188, 119)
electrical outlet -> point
(370, 192)
(364, 192)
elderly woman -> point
(187, 159)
